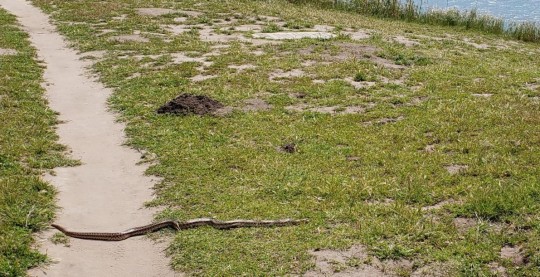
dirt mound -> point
(289, 148)
(186, 104)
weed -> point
(360, 77)
(272, 28)
(60, 238)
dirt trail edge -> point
(107, 192)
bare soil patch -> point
(405, 41)
(177, 29)
(384, 202)
(120, 17)
(94, 54)
(186, 104)
(357, 35)
(352, 158)
(334, 110)
(255, 104)
(323, 28)
(430, 148)
(456, 168)
(208, 34)
(129, 38)
(533, 86)
(481, 46)
(438, 205)
(463, 224)
(180, 19)
(497, 269)
(190, 13)
(353, 51)
(359, 85)
(482, 95)
(184, 58)
(200, 77)
(297, 95)
(355, 261)
(7, 52)
(437, 269)
(258, 52)
(514, 254)
(294, 35)
(308, 63)
(242, 67)
(154, 11)
(280, 74)
(249, 28)
(385, 120)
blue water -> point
(509, 10)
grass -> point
(360, 178)
(412, 12)
(27, 148)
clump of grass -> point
(526, 31)
(297, 24)
(271, 28)
(360, 76)
(60, 238)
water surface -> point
(509, 10)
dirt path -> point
(107, 192)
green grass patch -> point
(27, 148)
(367, 177)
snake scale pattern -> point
(178, 225)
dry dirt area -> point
(355, 261)
(105, 193)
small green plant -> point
(59, 238)
(204, 20)
(271, 28)
(360, 77)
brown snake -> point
(177, 225)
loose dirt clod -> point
(289, 148)
(186, 104)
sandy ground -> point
(107, 192)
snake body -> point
(178, 225)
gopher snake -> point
(178, 225)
